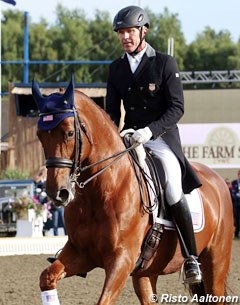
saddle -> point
(158, 176)
(156, 170)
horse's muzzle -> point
(63, 197)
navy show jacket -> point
(152, 96)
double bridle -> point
(75, 165)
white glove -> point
(142, 135)
(126, 131)
(140, 151)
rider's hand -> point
(126, 131)
(142, 135)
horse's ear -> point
(69, 93)
(37, 95)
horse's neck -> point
(104, 136)
(106, 143)
(118, 178)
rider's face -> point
(129, 38)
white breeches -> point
(172, 169)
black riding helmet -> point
(130, 16)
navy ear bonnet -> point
(55, 107)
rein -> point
(117, 156)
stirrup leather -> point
(194, 279)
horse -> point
(91, 173)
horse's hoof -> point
(51, 259)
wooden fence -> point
(24, 151)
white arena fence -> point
(31, 246)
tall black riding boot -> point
(183, 222)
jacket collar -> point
(150, 52)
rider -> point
(149, 84)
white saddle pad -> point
(194, 200)
(196, 208)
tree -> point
(41, 48)
(234, 60)
(105, 45)
(71, 41)
(164, 26)
(211, 51)
(12, 46)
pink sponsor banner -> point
(216, 145)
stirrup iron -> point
(195, 279)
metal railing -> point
(227, 76)
(187, 77)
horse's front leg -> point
(48, 282)
(145, 289)
(117, 271)
(69, 263)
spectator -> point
(236, 204)
(41, 178)
(57, 219)
(230, 187)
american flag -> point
(51, 298)
(195, 218)
(10, 2)
(48, 118)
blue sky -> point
(194, 15)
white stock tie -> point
(134, 62)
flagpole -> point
(26, 49)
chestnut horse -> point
(104, 218)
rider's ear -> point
(37, 95)
(144, 31)
(69, 93)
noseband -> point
(75, 164)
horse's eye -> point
(70, 134)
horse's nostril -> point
(63, 194)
